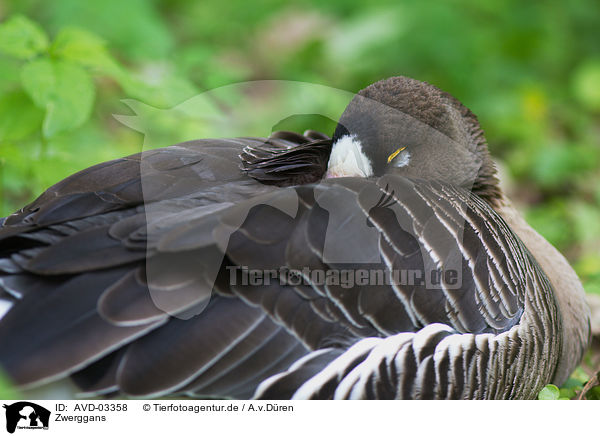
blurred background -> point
(529, 70)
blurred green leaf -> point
(7, 392)
(570, 388)
(586, 84)
(10, 73)
(588, 269)
(22, 38)
(572, 383)
(63, 89)
(586, 218)
(157, 86)
(578, 376)
(555, 165)
(550, 392)
(133, 27)
(551, 220)
(19, 117)
(85, 48)
(39, 81)
(594, 393)
(365, 32)
(592, 286)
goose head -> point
(411, 128)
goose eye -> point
(394, 154)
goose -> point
(145, 276)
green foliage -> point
(22, 38)
(135, 28)
(586, 84)
(578, 386)
(48, 90)
(550, 392)
(84, 48)
(570, 388)
(588, 268)
(18, 117)
(7, 392)
(63, 89)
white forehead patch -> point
(347, 159)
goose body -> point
(130, 277)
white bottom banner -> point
(311, 418)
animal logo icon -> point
(26, 415)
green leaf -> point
(586, 218)
(551, 220)
(550, 392)
(570, 388)
(65, 90)
(85, 48)
(572, 383)
(592, 285)
(22, 38)
(579, 375)
(7, 392)
(18, 116)
(164, 89)
(560, 163)
(586, 84)
(594, 393)
(38, 80)
(10, 73)
(567, 393)
(134, 27)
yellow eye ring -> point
(394, 154)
